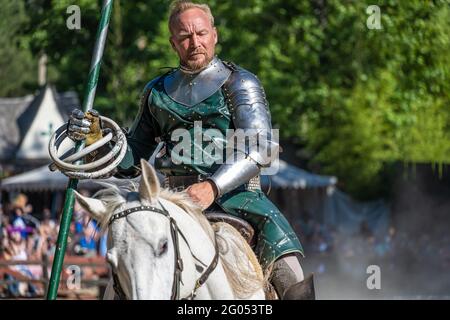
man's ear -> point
(172, 44)
(216, 35)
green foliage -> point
(356, 99)
(397, 105)
(17, 67)
(130, 59)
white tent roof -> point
(42, 179)
(289, 176)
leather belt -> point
(182, 182)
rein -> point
(174, 230)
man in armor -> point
(221, 96)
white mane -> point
(114, 196)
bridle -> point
(174, 230)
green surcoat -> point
(159, 117)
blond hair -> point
(179, 6)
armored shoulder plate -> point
(190, 89)
(248, 106)
(247, 100)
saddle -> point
(244, 228)
(215, 213)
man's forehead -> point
(192, 19)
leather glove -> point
(95, 132)
(85, 126)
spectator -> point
(20, 201)
(4, 222)
(103, 245)
(87, 244)
(18, 221)
(23, 237)
(16, 250)
(48, 225)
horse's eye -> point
(162, 248)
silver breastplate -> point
(191, 89)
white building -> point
(26, 124)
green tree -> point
(355, 99)
(130, 60)
(400, 88)
(17, 67)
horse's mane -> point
(115, 195)
(239, 262)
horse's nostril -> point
(162, 248)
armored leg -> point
(288, 279)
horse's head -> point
(140, 246)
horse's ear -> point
(96, 208)
(149, 186)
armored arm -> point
(251, 118)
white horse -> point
(154, 232)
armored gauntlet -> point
(83, 126)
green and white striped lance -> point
(88, 102)
(96, 61)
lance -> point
(72, 185)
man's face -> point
(16, 236)
(194, 39)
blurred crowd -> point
(26, 235)
(411, 260)
(423, 247)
